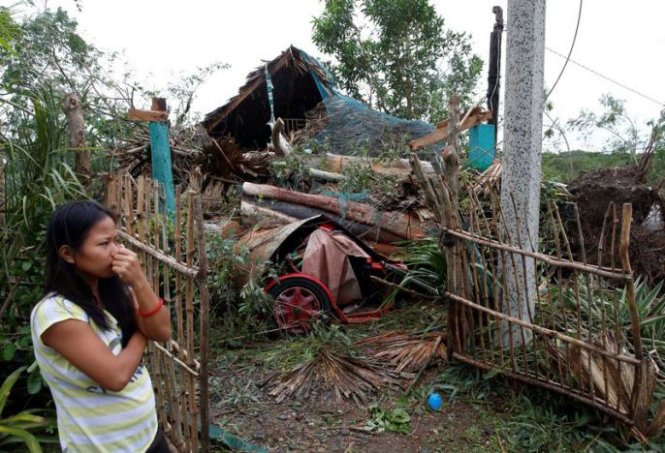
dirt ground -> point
(241, 405)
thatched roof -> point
(300, 82)
(300, 85)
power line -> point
(570, 52)
(625, 87)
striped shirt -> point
(91, 418)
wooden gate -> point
(579, 335)
(171, 248)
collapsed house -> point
(301, 91)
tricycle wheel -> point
(299, 301)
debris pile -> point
(594, 191)
(406, 352)
(345, 376)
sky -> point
(165, 39)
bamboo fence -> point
(171, 248)
(576, 331)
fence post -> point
(162, 171)
(202, 277)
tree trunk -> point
(74, 112)
(397, 223)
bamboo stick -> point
(171, 262)
(550, 386)
(542, 257)
(189, 300)
(545, 331)
(180, 334)
(176, 360)
(202, 280)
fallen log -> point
(315, 172)
(249, 209)
(400, 224)
(281, 211)
(473, 117)
(326, 175)
(336, 164)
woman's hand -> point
(157, 325)
(128, 267)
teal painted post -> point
(481, 146)
(161, 161)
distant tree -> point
(625, 135)
(8, 29)
(397, 55)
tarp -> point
(327, 258)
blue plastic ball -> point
(434, 401)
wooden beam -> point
(146, 115)
(336, 163)
(442, 130)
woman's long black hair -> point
(70, 225)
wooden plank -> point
(146, 115)
(441, 133)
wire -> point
(625, 87)
(570, 52)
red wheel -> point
(299, 301)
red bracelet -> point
(160, 303)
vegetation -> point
(625, 135)
(36, 166)
(568, 166)
(42, 58)
(21, 427)
(397, 55)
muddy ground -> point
(469, 420)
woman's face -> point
(95, 256)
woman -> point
(90, 331)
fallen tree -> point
(402, 225)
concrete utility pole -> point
(523, 124)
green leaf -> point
(23, 420)
(8, 351)
(7, 387)
(29, 440)
(399, 415)
(34, 382)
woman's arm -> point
(157, 326)
(79, 344)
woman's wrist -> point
(140, 284)
(151, 311)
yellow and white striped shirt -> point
(91, 418)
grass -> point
(526, 418)
(566, 167)
(495, 413)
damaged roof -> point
(296, 86)
(299, 82)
